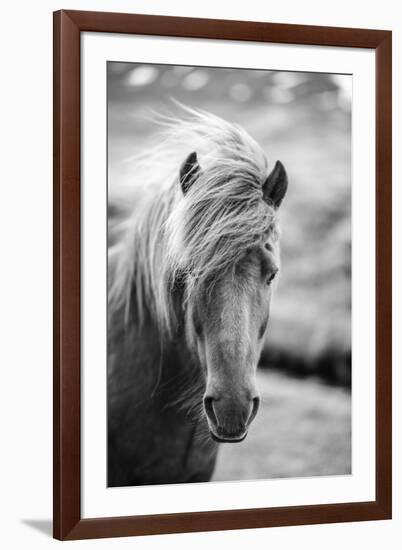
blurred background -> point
(303, 427)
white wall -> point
(25, 272)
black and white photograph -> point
(229, 274)
(201, 267)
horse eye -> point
(271, 277)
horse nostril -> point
(254, 410)
(209, 409)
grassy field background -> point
(303, 119)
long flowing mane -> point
(196, 236)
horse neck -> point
(174, 376)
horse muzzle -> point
(228, 418)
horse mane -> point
(194, 237)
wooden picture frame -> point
(68, 523)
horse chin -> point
(228, 439)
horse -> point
(190, 280)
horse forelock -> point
(197, 236)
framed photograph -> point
(222, 274)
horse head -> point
(226, 313)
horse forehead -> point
(228, 303)
(239, 283)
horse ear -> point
(275, 186)
(189, 171)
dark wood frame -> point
(68, 523)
